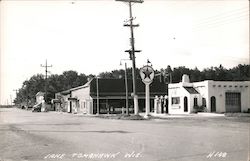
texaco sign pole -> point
(147, 76)
(147, 100)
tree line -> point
(70, 79)
(169, 75)
(55, 83)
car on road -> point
(37, 107)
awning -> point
(55, 101)
(191, 90)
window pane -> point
(175, 100)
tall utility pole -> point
(126, 85)
(97, 97)
(46, 71)
(132, 50)
(10, 99)
(16, 90)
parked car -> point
(37, 107)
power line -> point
(224, 15)
(222, 20)
(221, 23)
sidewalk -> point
(192, 115)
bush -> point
(201, 108)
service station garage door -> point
(233, 102)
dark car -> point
(37, 107)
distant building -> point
(39, 97)
(111, 95)
(40, 103)
(213, 96)
(62, 104)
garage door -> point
(233, 102)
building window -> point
(204, 102)
(195, 102)
(175, 100)
(233, 98)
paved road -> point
(53, 137)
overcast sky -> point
(88, 36)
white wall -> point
(83, 96)
(177, 90)
(219, 89)
(202, 88)
(206, 90)
(39, 99)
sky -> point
(88, 36)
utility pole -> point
(163, 76)
(46, 71)
(16, 90)
(132, 51)
(10, 99)
(97, 97)
(126, 85)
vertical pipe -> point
(126, 86)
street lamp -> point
(126, 84)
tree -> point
(70, 79)
(195, 75)
(116, 74)
(178, 72)
(27, 94)
(56, 83)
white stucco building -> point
(215, 96)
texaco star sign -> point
(147, 74)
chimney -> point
(185, 79)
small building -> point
(40, 103)
(111, 95)
(212, 96)
(62, 103)
(39, 97)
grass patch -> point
(237, 114)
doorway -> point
(185, 104)
(233, 102)
(213, 104)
